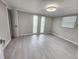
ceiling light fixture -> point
(50, 8)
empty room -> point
(38, 29)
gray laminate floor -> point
(40, 47)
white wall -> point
(4, 23)
(48, 25)
(15, 23)
(66, 33)
(25, 23)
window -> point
(35, 23)
(42, 24)
(69, 22)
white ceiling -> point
(64, 7)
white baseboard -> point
(64, 38)
(32, 34)
(25, 34)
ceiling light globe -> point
(51, 9)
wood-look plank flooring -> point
(40, 47)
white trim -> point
(64, 38)
(27, 34)
(24, 35)
(32, 34)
